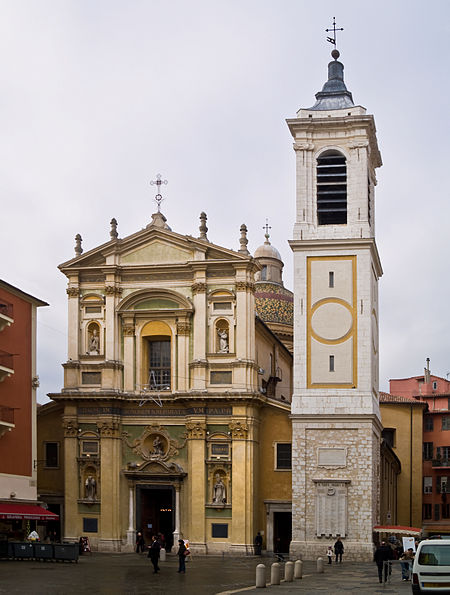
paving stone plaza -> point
(131, 574)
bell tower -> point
(335, 410)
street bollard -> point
(298, 569)
(319, 565)
(162, 554)
(275, 574)
(289, 572)
(260, 576)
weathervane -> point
(267, 227)
(158, 197)
(333, 39)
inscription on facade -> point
(331, 508)
(331, 457)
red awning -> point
(399, 529)
(26, 511)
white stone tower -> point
(335, 411)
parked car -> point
(431, 567)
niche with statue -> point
(93, 338)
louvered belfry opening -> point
(331, 188)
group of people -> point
(154, 551)
(386, 552)
(337, 550)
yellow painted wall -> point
(408, 422)
(49, 429)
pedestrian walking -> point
(338, 550)
(330, 554)
(406, 561)
(182, 553)
(383, 553)
(258, 544)
(140, 543)
(153, 554)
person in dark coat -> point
(153, 554)
(382, 554)
(338, 550)
(258, 544)
(181, 556)
(140, 543)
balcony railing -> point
(6, 419)
(441, 463)
(6, 365)
(6, 314)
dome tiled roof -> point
(274, 303)
(267, 251)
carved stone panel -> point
(331, 508)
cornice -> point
(339, 244)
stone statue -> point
(90, 488)
(157, 446)
(219, 491)
(223, 340)
(94, 342)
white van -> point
(431, 567)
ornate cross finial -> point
(334, 29)
(266, 235)
(158, 197)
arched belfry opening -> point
(331, 188)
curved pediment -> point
(158, 299)
(154, 469)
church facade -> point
(335, 408)
(176, 399)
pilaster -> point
(196, 445)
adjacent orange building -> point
(435, 392)
(18, 383)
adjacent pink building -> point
(435, 391)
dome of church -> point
(274, 303)
(267, 251)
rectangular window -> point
(448, 404)
(219, 450)
(220, 378)
(427, 511)
(437, 512)
(427, 485)
(91, 377)
(284, 456)
(331, 279)
(388, 435)
(93, 309)
(331, 363)
(445, 511)
(442, 485)
(51, 454)
(446, 422)
(219, 530)
(427, 451)
(434, 385)
(445, 455)
(159, 365)
(90, 525)
(428, 423)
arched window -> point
(331, 188)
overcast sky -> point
(97, 97)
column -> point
(72, 526)
(199, 345)
(176, 533)
(197, 480)
(129, 381)
(183, 331)
(131, 533)
(73, 293)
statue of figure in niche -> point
(223, 340)
(94, 341)
(158, 447)
(219, 491)
(90, 488)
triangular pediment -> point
(156, 252)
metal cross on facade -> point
(267, 227)
(157, 183)
(334, 29)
